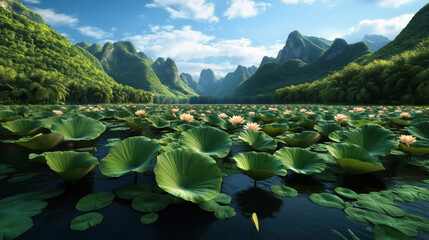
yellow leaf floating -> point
(255, 221)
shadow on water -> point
(257, 200)
(303, 184)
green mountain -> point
(375, 42)
(267, 59)
(50, 68)
(166, 70)
(234, 79)
(272, 76)
(18, 8)
(189, 80)
(208, 82)
(143, 56)
(303, 47)
(91, 57)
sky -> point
(221, 34)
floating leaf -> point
(223, 198)
(13, 226)
(224, 212)
(86, 221)
(345, 192)
(22, 177)
(327, 200)
(149, 218)
(284, 191)
(151, 202)
(385, 232)
(95, 201)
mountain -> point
(189, 80)
(234, 79)
(266, 60)
(375, 42)
(410, 37)
(143, 56)
(272, 76)
(166, 71)
(39, 54)
(208, 82)
(302, 47)
(18, 8)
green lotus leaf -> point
(22, 205)
(121, 114)
(189, 175)
(377, 140)
(416, 149)
(134, 154)
(22, 127)
(301, 160)
(13, 226)
(136, 123)
(158, 122)
(420, 130)
(209, 206)
(223, 198)
(86, 221)
(22, 177)
(257, 140)
(38, 158)
(336, 136)
(71, 166)
(327, 128)
(385, 232)
(354, 159)
(275, 129)
(327, 200)
(8, 115)
(185, 127)
(356, 214)
(79, 128)
(46, 194)
(41, 142)
(259, 166)
(307, 123)
(207, 140)
(151, 202)
(224, 212)
(93, 115)
(5, 168)
(95, 201)
(303, 139)
(398, 224)
(149, 218)
(379, 204)
(284, 191)
(268, 117)
(345, 192)
(399, 122)
(132, 191)
(417, 221)
(213, 120)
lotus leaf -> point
(336, 136)
(420, 130)
(13, 226)
(207, 140)
(137, 124)
(134, 154)
(284, 191)
(149, 218)
(224, 212)
(417, 149)
(223, 198)
(259, 166)
(132, 191)
(158, 122)
(5, 168)
(189, 175)
(301, 160)
(379, 204)
(22, 177)
(86, 221)
(268, 117)
(70, 165)
(8, 115)
(385, 232)
(398, 224)
(95, 201)
(41, 142)
(356, 214)
(209, 206)
(326, 128)
(22, 127)
(354, 159)
(151, 202)
(275, 129)
(377, 140)
(213, 120)
(258, 141)
(327, 200)
(79, 128)
(303, 139)
(345, 192)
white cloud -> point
(32, 1)
(298, 1)
(190, 9)
(389, 28)
(93, 32)
(56, 19)
(188, 45)
(394, 3)
(245, 8)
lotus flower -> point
(140, 113)
(236, 120)
(287, 112)
(252, 113)
(58, 112)
(252, 126)
(303, 110)
(175, 110)
(405, 115)
(359, 109)
(407, 139)
(223, 115)
(371, 116)
(187, 117)
(340, 117)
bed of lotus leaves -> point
(195, 153)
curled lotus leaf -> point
(70, 165)
(79, 128)
(207, 140)
(23, 127)
(301, 160)
(260, 166)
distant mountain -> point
(266, 60)
(91, 57)
(272, 76)
(234, 79)
(166, 71)
(306, 49)
(189, 80)
(18, 8)
(208, 82)
(375, 42)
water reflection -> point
(304, 184)
(255, 199)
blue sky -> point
(217, 34)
